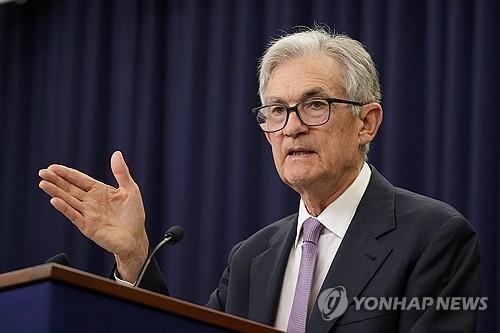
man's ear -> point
(371, 116)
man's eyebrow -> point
(271, 100)
(314, 92)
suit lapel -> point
(360, 253)
(266, 275)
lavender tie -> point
(298, 316)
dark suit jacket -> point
(399, 244)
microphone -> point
(61, 259)
(172, 236)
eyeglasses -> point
(311, 112)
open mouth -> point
(300, 152)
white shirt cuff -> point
(120, 281)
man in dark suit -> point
(382, 259)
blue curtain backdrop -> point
(171, 84)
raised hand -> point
(112, 217)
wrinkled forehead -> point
(307, 76)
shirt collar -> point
(338, 215)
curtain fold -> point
(171, 84)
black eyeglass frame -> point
(295, 108)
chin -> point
(297, 180)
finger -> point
(73, 176)
(120, 171)
(56, 192)
(71, 214)
(63, 184)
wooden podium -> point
(54, 298)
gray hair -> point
(360, 77)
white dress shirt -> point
(336, 219)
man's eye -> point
(278, 110)
(316, 105)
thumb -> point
(120, 170)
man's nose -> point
(294, 125)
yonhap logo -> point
(332, 302)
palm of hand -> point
(113, 218)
